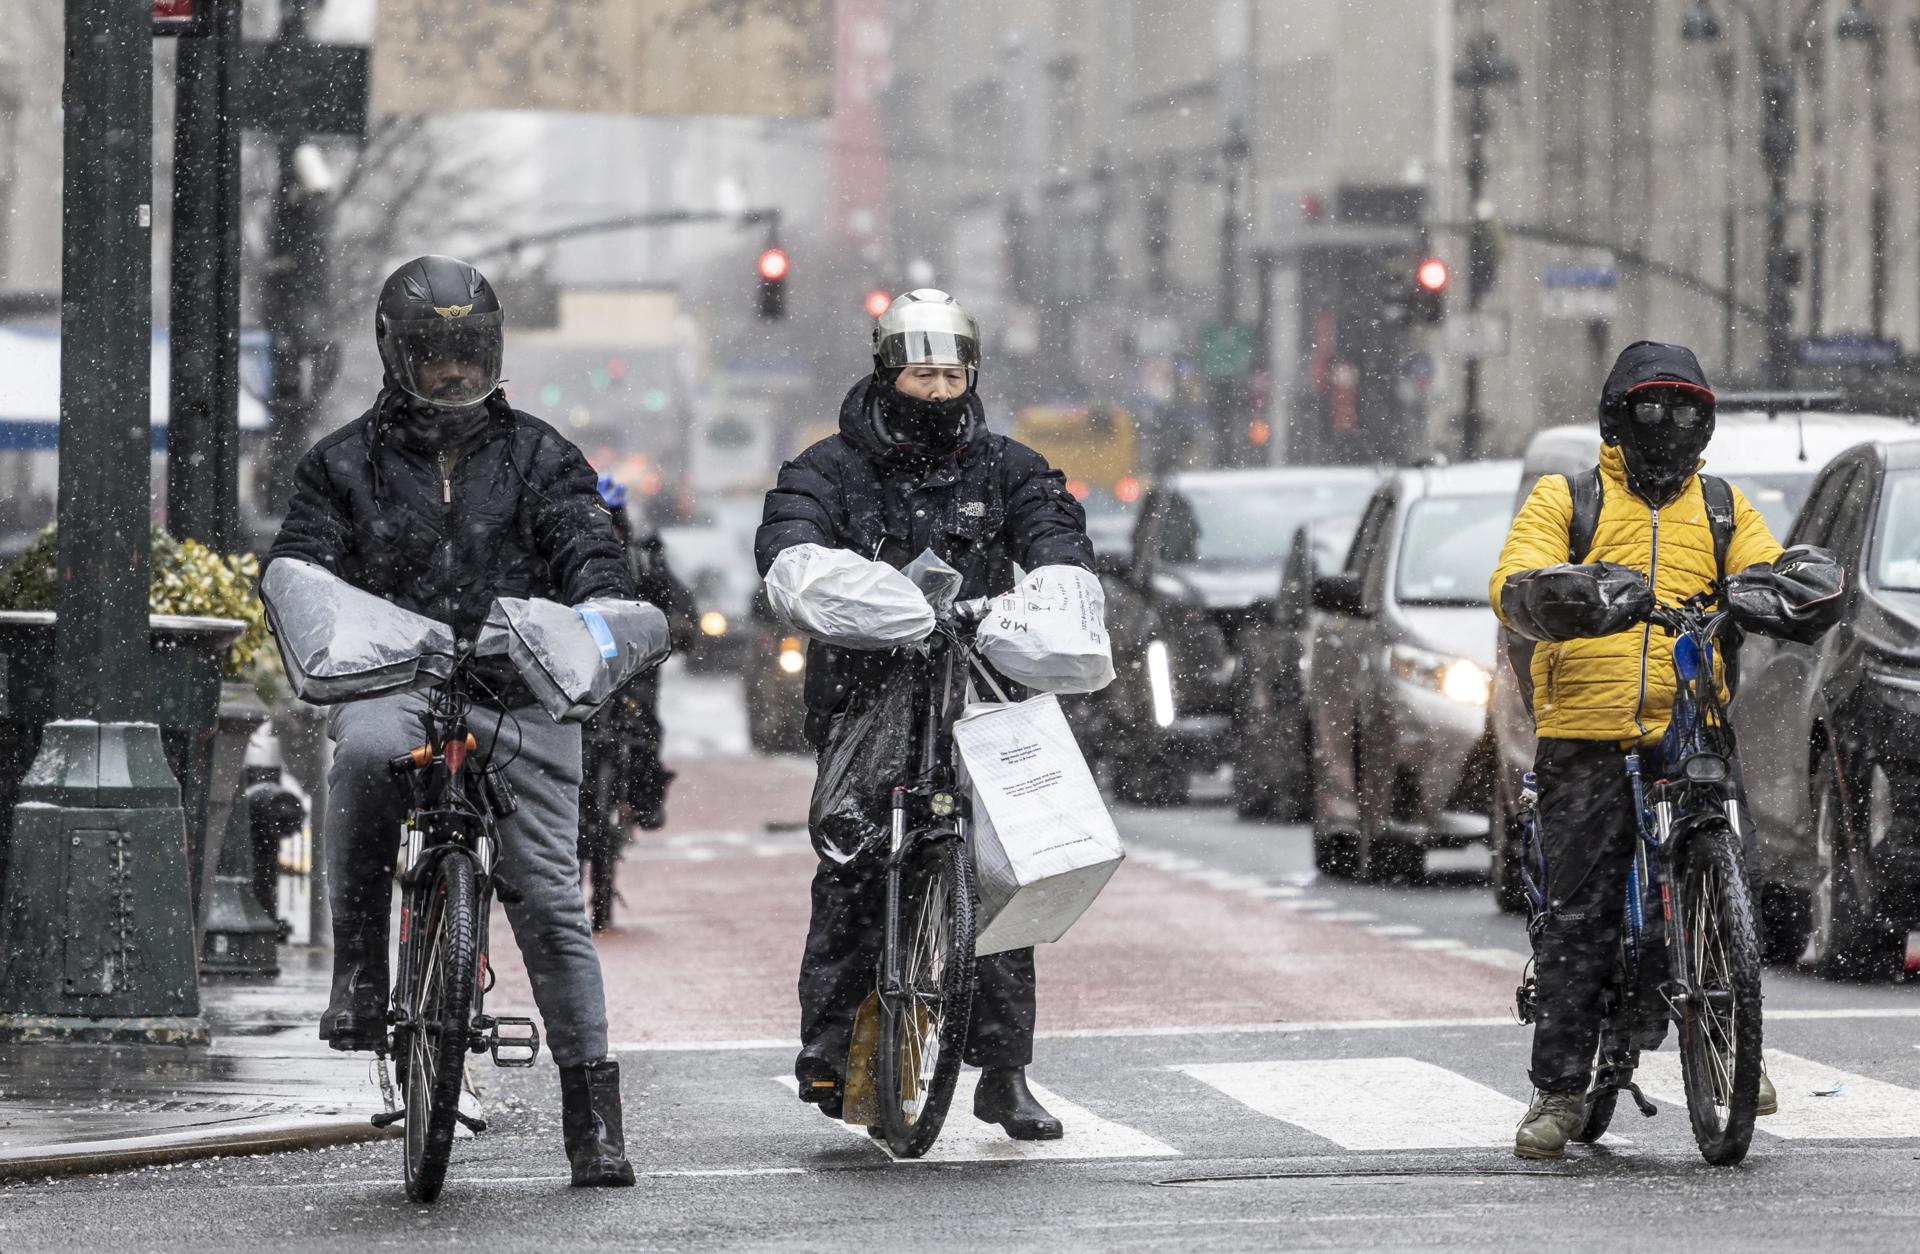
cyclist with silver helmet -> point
(440, 498)
(913, 467)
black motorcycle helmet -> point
(1657, 409)
(434, 311)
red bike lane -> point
(708, 937)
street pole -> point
(1777, 145)
(1229, 439)
(1483, 69)
(97, 930)
(203, 429)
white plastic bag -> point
(1050, 633)
(842, 598)
(342, 643)
(573, 659)
(1043, 843)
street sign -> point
(1847, 350)
(1227, 351)
(301, 89)
(1586, 291)
(763, 58)
(1477, 334)
(181, 17)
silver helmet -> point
(926, 327)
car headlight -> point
(713, 623)
(1160, 682)
(793, 655)
(1455, 678)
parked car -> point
(776, 674)
(1770, 455)
(714, 557)
(1204, 567)
(1403, 656)
(1273, 744)
(1829, 733)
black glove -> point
(1796, 597)
(1569, 602)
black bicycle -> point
(1689, 952)
(449, 847)
(924, 983)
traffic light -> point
(773, 267)
(1430, 290)
(878, 302)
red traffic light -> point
(773, 265)
(1432, 274)
(878, 302)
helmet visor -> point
(929, 348)
(449, 362)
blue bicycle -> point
(1688, 952)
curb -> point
(255, 1136)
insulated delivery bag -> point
(1044, 844)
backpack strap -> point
(1587, 494)
(1719, 498)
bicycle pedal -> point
(506, 893)
(387, 1118)
(1647, 1108)
(472, 1123)
(514, 1035)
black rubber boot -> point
(356, 1016)
(590, 1122)
(820, 1082)
(1003, 1098)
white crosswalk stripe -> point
(965, 1139)
(1855, 1107)
(1370, 1103)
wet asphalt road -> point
(1313, 1134)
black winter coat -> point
(991, 504)
(514, 513)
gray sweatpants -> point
(538, 854)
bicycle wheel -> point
(437, 1040)
(921, 1038)
(1720, 1021)
(600, 871)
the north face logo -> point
(973, 509)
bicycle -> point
(448, 850)
(924, 982)
(1688, 823)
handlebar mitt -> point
(1050, 633)
(341, 643)
(1566, 602)
(1797, 596)
(837, 596)
(574, 659)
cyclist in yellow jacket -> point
(1649, 528)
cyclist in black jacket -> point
(913, 467)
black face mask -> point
(1661, 454)
(930, 426)
(431, 429)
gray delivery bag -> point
(341, 643)
(575, 659)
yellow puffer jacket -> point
(1591, 689)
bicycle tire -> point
(938, 966)
(1720, 1044)
(438, 1039)
(1598, 1116)
(601, 872)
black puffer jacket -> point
(513, 513)
(990, 504)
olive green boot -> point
(1769, 1103)
(1550, 1123)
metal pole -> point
(1730, 222)
(1777, 146)
(203, 431)
(97, 929)
(1880, 211)
(294, 296)
(1471, 421)
(1226, 393)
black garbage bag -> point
(866, 752)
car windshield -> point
(1448, 548)
(1249, 524)
(1777, 497)
(1897, 554)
